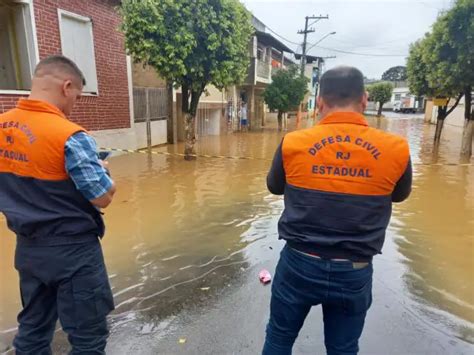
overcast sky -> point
(381, 27)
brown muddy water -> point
(179, 232)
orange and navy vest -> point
(340, 175)
(39, 200)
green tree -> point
(191, 44)
(380, 93)
(417, 71)
(286, 91)
(398, 73)
(457, 61)
(440, 65)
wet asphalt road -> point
(235, 324)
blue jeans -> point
(68, 282)
(301, 281)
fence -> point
(152, 102)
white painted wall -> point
(215, 123)
(455, 118)
(132, 138)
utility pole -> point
(305, 34)
(318, 84)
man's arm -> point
(403, 188)
(86, 170)
(276, 178)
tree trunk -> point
(280, 120)
(439, 124)
(379, 113)
(190, 135)
(172, 127)
(379, 122)
(468, 132)
(443, 112)
(190, 124)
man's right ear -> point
(365, 101)
(320, 102)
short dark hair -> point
(342, 86)
(62, 63)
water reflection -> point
(436, 230)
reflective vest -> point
(39, 200)
(340, 175)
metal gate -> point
(150, 102)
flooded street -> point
(185, 241)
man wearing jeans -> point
(52, 187)
(339, 180)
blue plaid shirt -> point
(84, 168)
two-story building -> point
(267, 55)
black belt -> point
(355, 265)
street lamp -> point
(319, 70)
(323, 38)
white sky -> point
(363, 26)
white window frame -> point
(35, 46)
(84, 19)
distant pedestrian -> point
(339, 180)
(52, 187)
(243, 117)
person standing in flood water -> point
(243, 117)
(52, 187)
(339, 180)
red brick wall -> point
(110, 109)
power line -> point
(363, 54)
(352, 43)
(283, 38)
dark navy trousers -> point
(344, 290)
(68, 282)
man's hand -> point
(105, 200)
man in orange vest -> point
(52, 187)
(339, 180)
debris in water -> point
(182, 340)
(265, 276)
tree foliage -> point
(442, 63)
(380, 92)
(398, 73)
(417, 71)
(286, 91)
(191, 44)
(449, 51)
